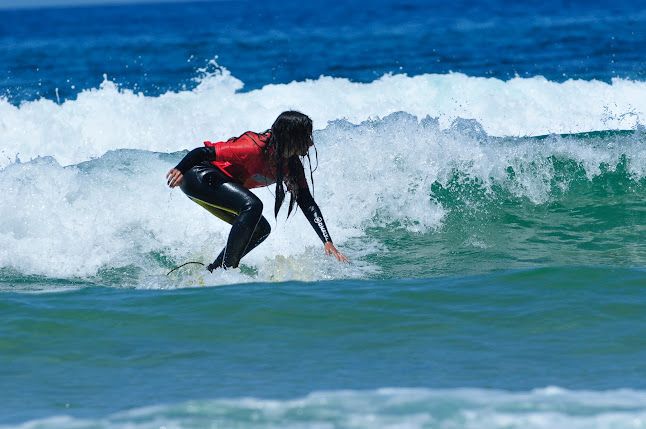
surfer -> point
(219, 175)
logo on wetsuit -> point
(319, 221)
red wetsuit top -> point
(245, 161)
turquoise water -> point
(508, 290)
(96, 351)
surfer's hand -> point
(174, 177)
(331, 250)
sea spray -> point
(110, 117)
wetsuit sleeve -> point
(194, 157)
(313, 214)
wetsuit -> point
(218, 177)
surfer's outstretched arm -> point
(313, 214)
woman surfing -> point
(219, 177)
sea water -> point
(482, 165)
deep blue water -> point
(157, 48)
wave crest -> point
(110, 117)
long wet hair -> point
(292, 130)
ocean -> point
(482, 164)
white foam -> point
(108, 118)
(552, 408)
(115, 212)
